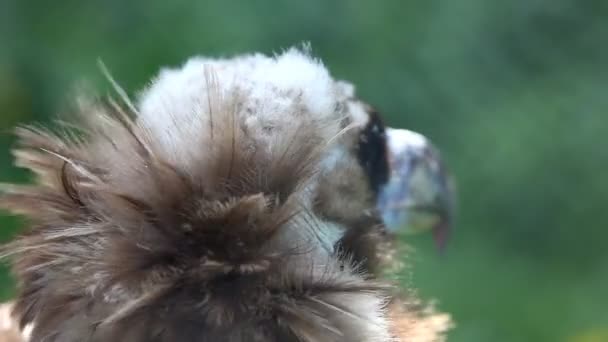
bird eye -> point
(372, 152)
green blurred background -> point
(515, 94)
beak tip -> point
(441, 237)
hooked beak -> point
(419, 195)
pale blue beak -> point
(419, 195)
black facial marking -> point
(372, 152)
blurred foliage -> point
(512, 92)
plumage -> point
(235, 201)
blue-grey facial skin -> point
(418, 196)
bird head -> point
(394, 175)
(240, 199)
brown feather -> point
(132, 240)
(123, 236)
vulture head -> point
(245, 199)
